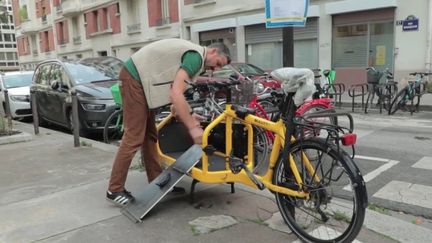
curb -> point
(17, 138)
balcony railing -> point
(59, 8)
(44, 19)
(71, 8)
(76, 40)
(134, 28)
(62, 42)
(163, 21)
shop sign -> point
(411, 23)
(282, 13)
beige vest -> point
(157, 65)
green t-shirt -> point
(191, 63)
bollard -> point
(75, 120)
(34, 112)
(7, 110)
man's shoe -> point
(120, 198)
(178, 190)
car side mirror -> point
(55, 85)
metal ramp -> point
(163, 184)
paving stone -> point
(203, 225)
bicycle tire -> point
(113, 129)
(261, 150)
(330, 208)
(398, 102)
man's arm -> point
(181, 106)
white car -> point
(18, 86)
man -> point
(154, 77)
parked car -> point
(241, 70)
(92, 79)
(17, 85)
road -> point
(395, 156)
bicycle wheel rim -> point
(343, 209)
(113, 130)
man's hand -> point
(198, 118)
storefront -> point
(264, 45)
(363, 39)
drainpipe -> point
(428, 62)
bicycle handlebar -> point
(420, 73)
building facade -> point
(348, 35)
(8, 46)
(88, 28)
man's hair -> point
(222, 49)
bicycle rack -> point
(380, 88)
(339, 90)
(352, 93)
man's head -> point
(217, 56)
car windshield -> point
(17, 80)
(86, 73)
(248, 69)
(224, 72)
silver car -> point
(18, 86)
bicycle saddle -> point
(326, 72)
(242, 112)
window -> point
(7, 37)
(349, 46)
(102, 53)
(133, 11)
(363, 45)
(10, 56)
(165, 17)
(75, 26)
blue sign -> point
(411, 23)
(282, 13)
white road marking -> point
(408, 193)
(424, 163)
(371, 175)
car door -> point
(40, 88)
(58, 95)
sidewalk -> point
(54, 192)
(425, 102)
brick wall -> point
(46, 40)
(22, 45)
(154, 8)
(62, 32)
(114, 18)
(40, 5)
(97, 20)
(173, 10)
(15, 12)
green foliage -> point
(23, 13)
(378, 209)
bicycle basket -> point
(115, 91)
(373, 76)
(243, 93)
